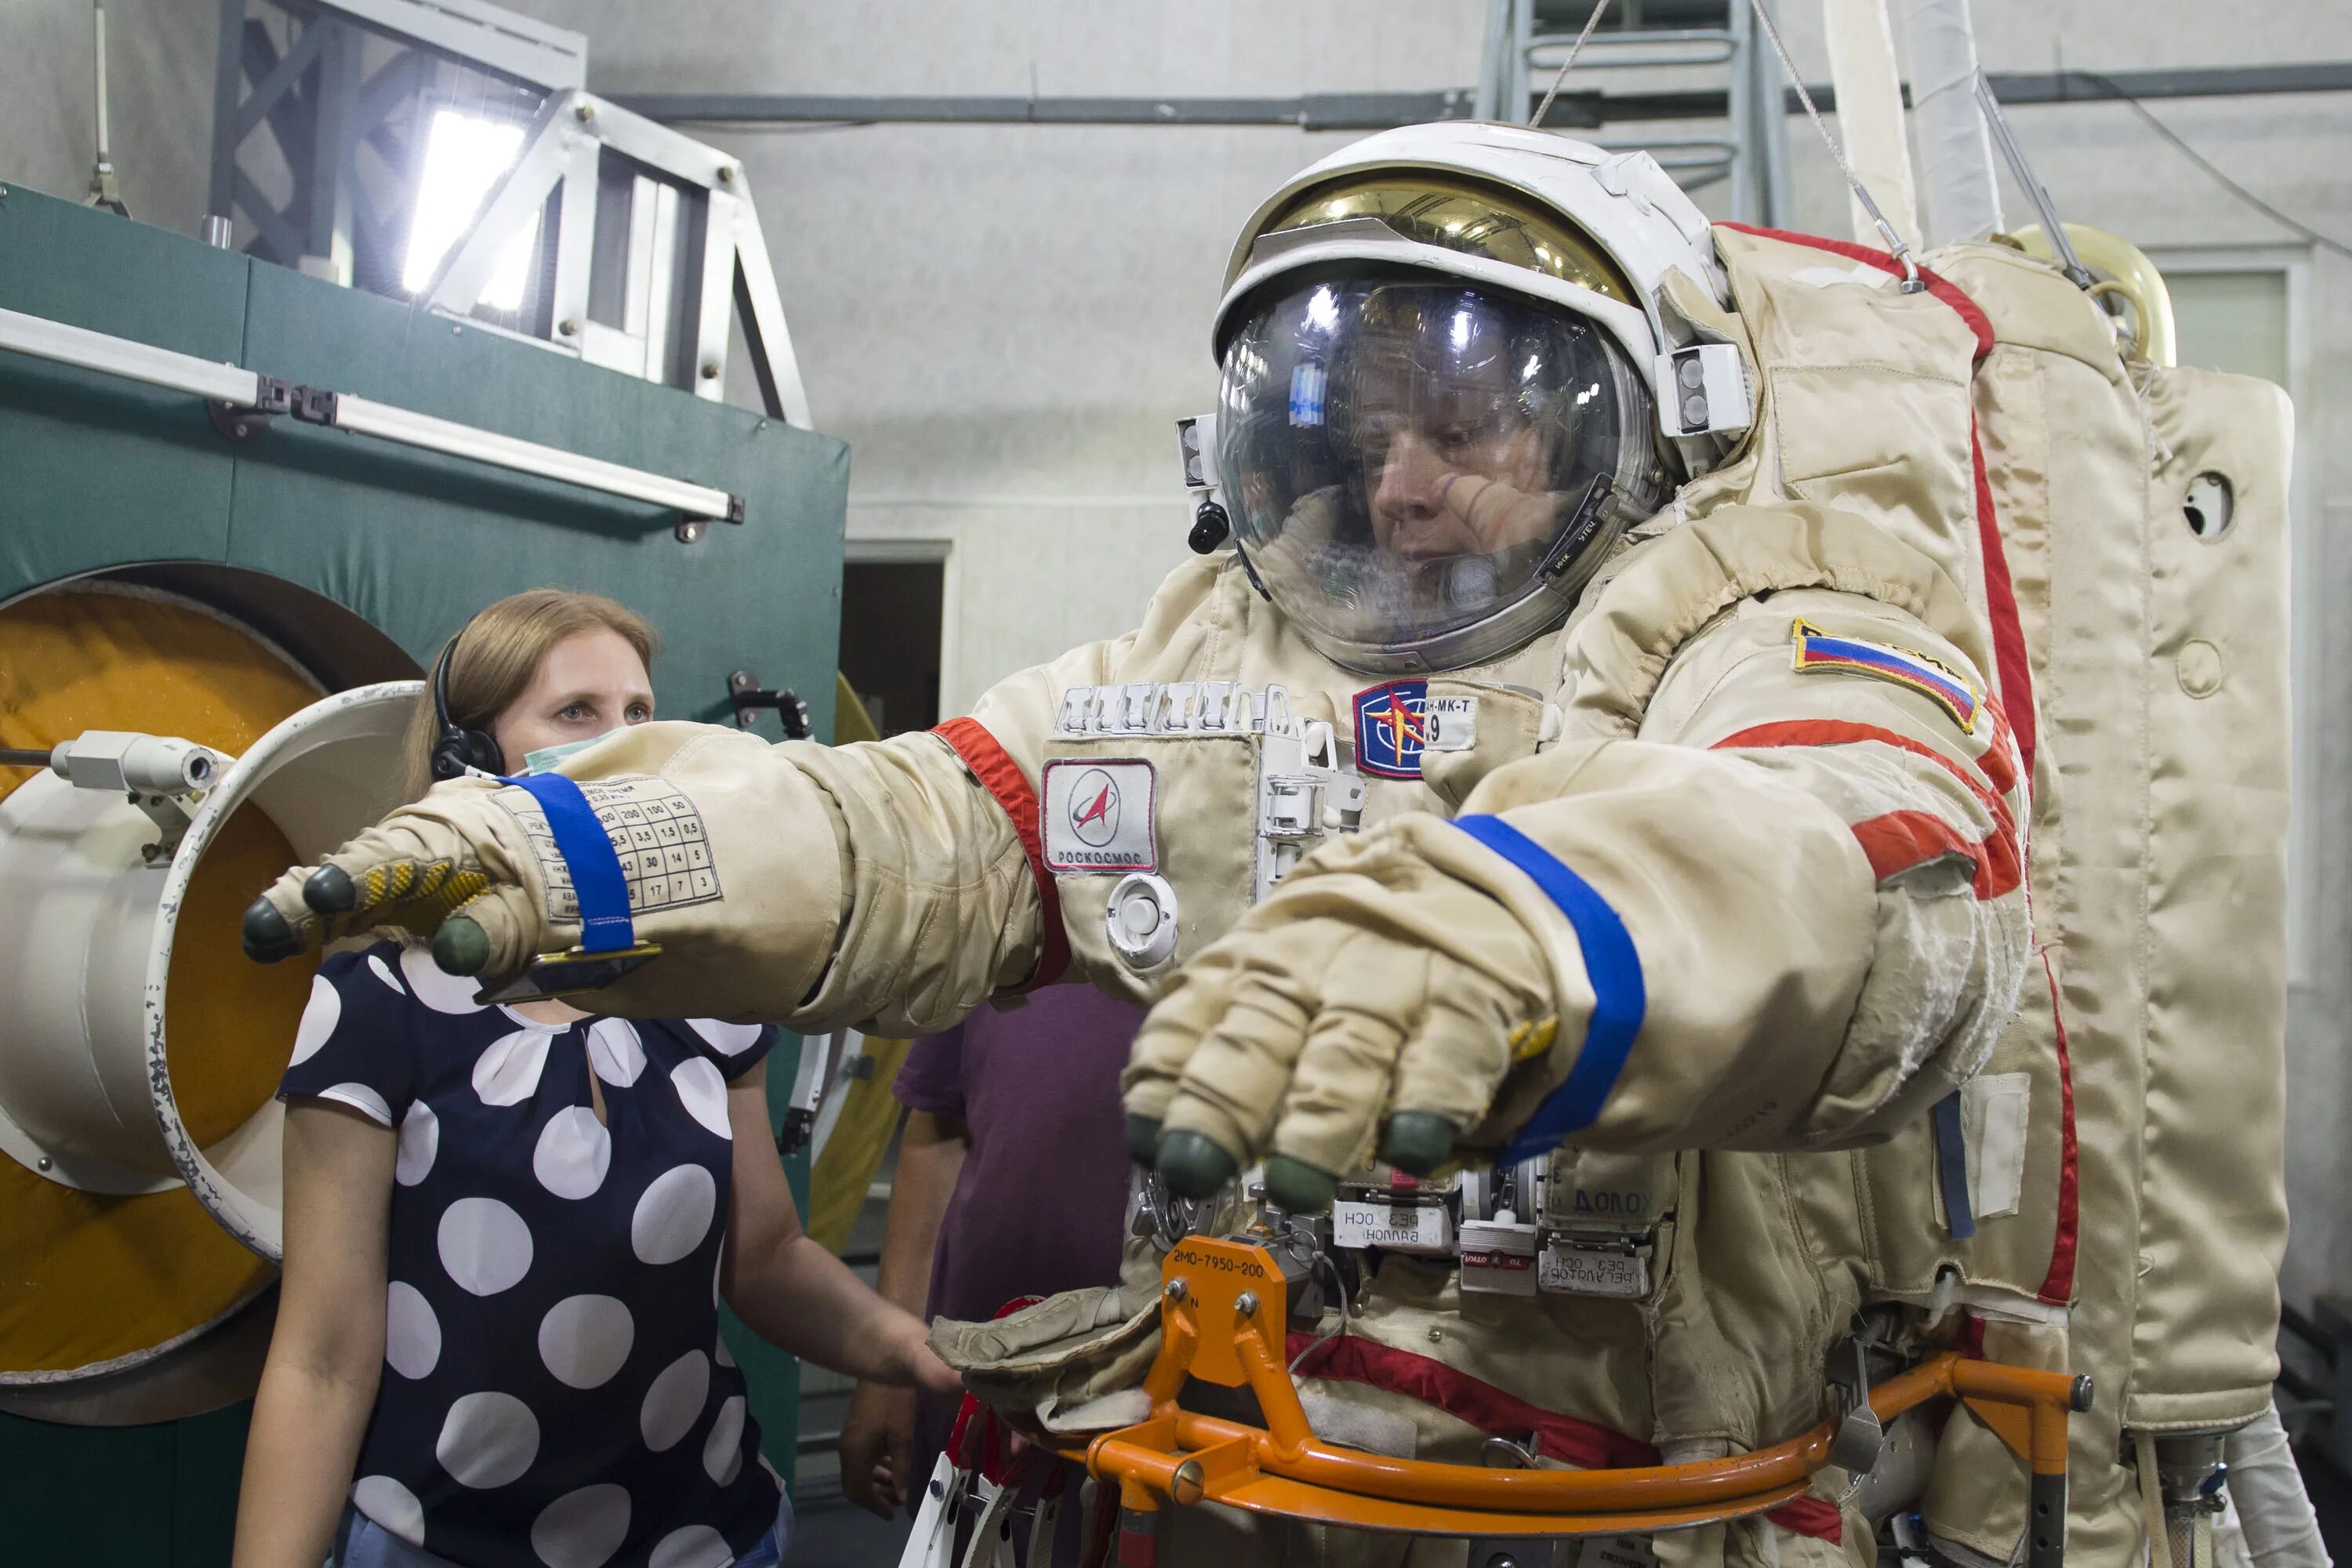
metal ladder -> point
(1527, 40)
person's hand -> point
(1373, 980)
(1496, 514)
(877, 1448)
(927, 1372)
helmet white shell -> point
(1628, 205)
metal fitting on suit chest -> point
(1251, 785)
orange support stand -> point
(1223, 1316)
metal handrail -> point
(1222, 1320)
(253, 398)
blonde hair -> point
(493, 657)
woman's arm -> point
(327, 1353)
(788, 1289)
(878, 1435)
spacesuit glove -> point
(1369, 984)
(458, 849)
(1072, 1363)
(732, 851)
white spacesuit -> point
(1611, 742)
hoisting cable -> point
(1573, 50)
(1997, 123)
(1912, 282)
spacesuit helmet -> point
(1435, 417)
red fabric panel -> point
(1816, 1517)
(1584, 1444)
(1997, 763)
(1002, 776)
(1898, 840)
(2000, 595)
(1139, 1538)
(1845, 732)
(2016, 674)
(2001, 871)
(2058, 1285)
(1941, 288)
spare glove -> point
(733, 850)
(1070, 1363)
(1371, 981)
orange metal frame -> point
(1223, 1320)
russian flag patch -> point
(1818, 651)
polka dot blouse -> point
(555, 1394)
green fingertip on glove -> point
(1193, 1164)
(329, 890)
(1295, 1186)
(461, 946)
(1142, 1140)
(1417, 1141)
(267, 936)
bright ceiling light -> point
(464, 154)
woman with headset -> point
(508, 1228)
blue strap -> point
(1620, 1000)
(587, 849)
(1952, 1167)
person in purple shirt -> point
(1012, 1182)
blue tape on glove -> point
(1620, 1000)
(1952, 1167)
(596, 879)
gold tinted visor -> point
(1461, 214)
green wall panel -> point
(415, 535)
(121, 1497)
(96, 471)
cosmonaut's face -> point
(1404, 456)
(1458, 476)
(1436, 407)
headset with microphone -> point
(457, 751)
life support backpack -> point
(2120, 1208)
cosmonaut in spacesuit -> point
(1607, 746)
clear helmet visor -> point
(1421, 473)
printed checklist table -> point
(665, 858)
(657, 832)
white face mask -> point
(546, 757)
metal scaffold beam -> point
(1376, 110)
